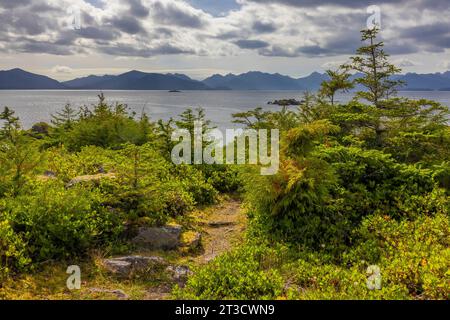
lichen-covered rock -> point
(165, 238)
(90, 178)
(192, 240)
(126, 266)
(179, 274)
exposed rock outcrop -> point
(179, 274)
(126, 266)
(164, 238)
(191, 240)
(116, 292)
(90, 178)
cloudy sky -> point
(70, 38)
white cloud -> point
(62, 69)
(332, 65)
(445, 65)
(405, 63)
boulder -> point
(120, 294)
(49, 174)
(165, 238)
(126, 266)
(192, 240)
(179, 274)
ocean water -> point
(33, 106)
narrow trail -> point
(223, 228)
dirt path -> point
(223, 227)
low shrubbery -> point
(236, 275)
(82, 182)
(55, 223)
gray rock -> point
(165, 238)
(179, 274)
(192, 240)
(126, 266)
(49, 174)
(90, 178)
(221, 224)
(117, 292)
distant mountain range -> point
(137, 80)
(20, 79)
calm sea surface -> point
(33, 106)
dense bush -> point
(104, 125)
(13, 249)
(236, 275)
(55, 223)
(414, 254)
(76, 185)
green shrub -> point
(225, 179)
(414, 254)
(57, 223)
(104, 125)
(195, 182)
(320, 281)
(236, 275)
(317, 201)
(13, 250)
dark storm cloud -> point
(166, 32)
(10, 4)
(171, 15)
(343, 43)
(340, 3)
(261, 27)
(358, 4)
(66, 38)
(43, 7)
(427, 31)
(25, 22)
(170, 49)
(278, 51)
(137, 9)
(87, 19)
(32, 46)
(128, 51)
(435, 36)
(229, 35)
(97, 33)
(251, 44)
(127, 24)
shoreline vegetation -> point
(361, 186)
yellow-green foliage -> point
(236, 275)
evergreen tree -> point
(65, 118)
(376, 72)
(189, 117)
(339, 81)
(18, 154)
(376, 75)
(10, 124)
